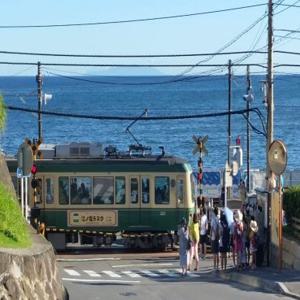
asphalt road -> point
(146, 276)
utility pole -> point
(270, 116)
(229, 109)
(249, 93)
(39, 96)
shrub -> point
(13, 228)
(291, 202)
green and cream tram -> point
(87, 196)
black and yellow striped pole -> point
(200, 147)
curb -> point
(251, 281)
(285, 291)
(256, 282)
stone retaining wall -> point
(30, 273)
(291, 254)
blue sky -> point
(196, 34)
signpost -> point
(277, 159)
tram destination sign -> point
(93, 218)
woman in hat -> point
(253, 241)
(238, 237)
(183, 234)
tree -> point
(2, 114)
(4, 174)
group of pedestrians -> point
(240, 237)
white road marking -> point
(72, 272)
(143, 265)
(149, 273)
(111, 274)
(189, 274)
(100, 280)
(131, 274)
(88, 259)
(168, 273)
(91, 273)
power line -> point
(132, 20)
(287, 37)
(288, 30)
(236, 38)
(118, 118)
(290, 5)
(130, 55)
(127, 65)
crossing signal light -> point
(34, 183)
(34, 169)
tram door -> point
(140, 200)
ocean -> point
(161, 96)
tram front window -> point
(120, 190)
(81, 190)
(49, 191)
(103, 190)
(63, 184)
(180, 191)
(162, 190)
(134, 190)
(145, 190)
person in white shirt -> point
(203, 233)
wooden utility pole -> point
(39, 96)
(248, 126)
(229, 109)
(270, 116)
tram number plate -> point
(93, 218)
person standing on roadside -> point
(183, 234)
(214, 237)
(203, 233)
(224, 240)
(238, 237)
(194, 236)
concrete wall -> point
(30, 273)
(291, 254)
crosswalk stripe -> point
(72, 272)
(92, 273)
(131, 274)
(111, 274)
(189, 274)
(149, 273)
(168, 273)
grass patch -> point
(13, 229)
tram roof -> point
(134, 164)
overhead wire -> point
(127, 118)
(132, 20)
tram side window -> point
(103, 190)
(134, 190)
(49, 191)
(81, 190)
(180, 191)
(39, 190)
(162, 190)
(120, 190)
(145, 190)
(63, 186)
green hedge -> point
(291, 202)
(13, 229)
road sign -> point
(25, 160)
(277, 157)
